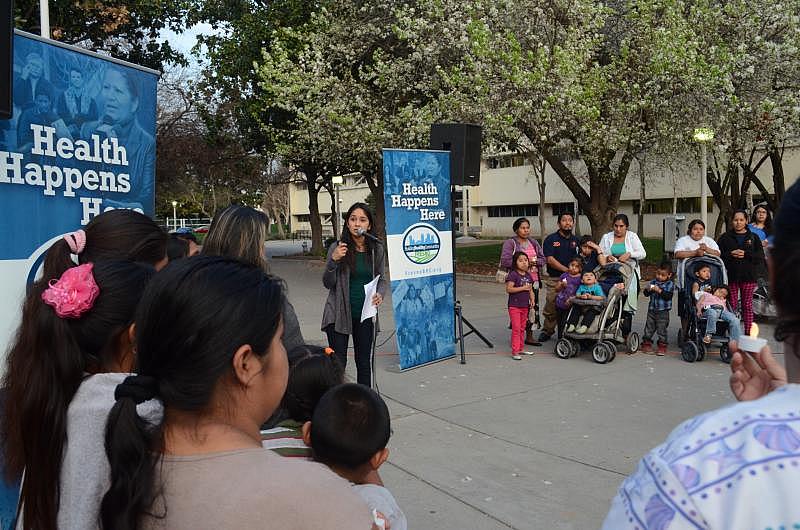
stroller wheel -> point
(725, 354)
(564, 349)
(612, 347)
(601, 353)
(633, 342)
(689, 352)
(701, 351)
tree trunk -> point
(313, 210)
(642, 196)
(334, 220)
(539, 165)
(600, 204)
(778, 178)
(375, 183)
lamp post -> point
(703, 136)
(174, 215)
(337, 181)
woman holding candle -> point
(711, 468)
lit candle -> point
(752, 343)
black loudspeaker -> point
(463, 140)
(6, 57)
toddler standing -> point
(660, 291)
(519, 286)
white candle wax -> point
(751, 344)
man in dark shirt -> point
(559, 247)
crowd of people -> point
(149, 380)
(565, 266)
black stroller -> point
(693, 348)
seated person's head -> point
(703, 272)
(349, 430)
(575, 266)
(177, 247)
(721, 291)
(586, 250)
(664, 271)
(313, 370)
(589, 278)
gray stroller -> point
(605, 332)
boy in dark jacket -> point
(660, 291)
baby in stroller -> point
(703, 295)
(588, 290)
(713, 307)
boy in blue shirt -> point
(588, 290)
(660, 291)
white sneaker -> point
(570, 328)
(527, 353)
(517, 357)
(581, 330)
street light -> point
(337, 181)
(702, 136)
(174, 215)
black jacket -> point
(747, 268)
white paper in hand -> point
(369, 310)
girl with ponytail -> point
(208, 336)
(75, 333)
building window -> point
(518, 210)
(303, 218)
(560, 208)
(507, 161)
(664, 206)
(301, 185)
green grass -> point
(490, 253)
(479, 254)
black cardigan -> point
(747, 268)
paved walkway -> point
(537, 443)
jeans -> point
(519, 317)
(657, 323)
(362, 346)
(715, 313)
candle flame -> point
(754, 330)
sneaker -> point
(662, 349)
(543, 336)
(646, 346)
(570, 328)
(707, 339)
(527, 353)
(580, 330)
(517, 357)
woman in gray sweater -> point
(353, 262)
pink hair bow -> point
(74, 293)
(76, 241)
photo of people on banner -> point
(419, 241)
(81, 141)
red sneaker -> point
(662, 348)
(646, 346)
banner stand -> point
(459, 310)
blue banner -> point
(81, 141)
(419, 239)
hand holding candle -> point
(752, 343)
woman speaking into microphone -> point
(353, 262)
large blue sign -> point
(81, 141)
(419, 240)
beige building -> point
(508, 190)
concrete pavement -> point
(537, 443)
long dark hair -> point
(45, 367)
(112, 235)
(350, 257)
(311, 374)
(193, 317)
(238, 232)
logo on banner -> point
(421, 243)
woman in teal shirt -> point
(349, 268)
(624, 245)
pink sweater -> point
(707, 300)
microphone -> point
(363, 232)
